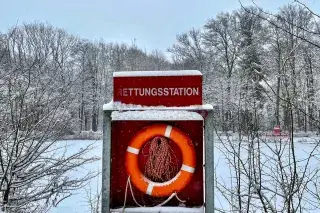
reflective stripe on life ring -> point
(181, 179)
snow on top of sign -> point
(121, 106)
(160, 210)
(155, 115)
(156, 73)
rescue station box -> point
(154, 150)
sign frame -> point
(208, 156)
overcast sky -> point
(153, 23)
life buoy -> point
(181, 179)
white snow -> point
(121, 106)
(79, 201)
(160, 210)
(155, 115)
(157, 73)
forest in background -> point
(254, 67)
(259, 69)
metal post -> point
(106, 159)
(209, 163)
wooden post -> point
(106, 160)
(209, 163)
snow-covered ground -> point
(78, 203)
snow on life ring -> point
(181, 179)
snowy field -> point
(79, 202)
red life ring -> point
(181, 179)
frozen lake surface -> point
(79, 202)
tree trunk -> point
(94, 120)
(278, 102)
(278, 85)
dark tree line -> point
(252, 60)
(248, 61)
(60, 58)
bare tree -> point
(190, 49)
(222, 49)
(268, 175)
(36, 81)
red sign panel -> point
(158, 90)
(122, 133)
